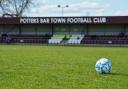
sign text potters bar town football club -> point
(62, 20)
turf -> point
(57, 67)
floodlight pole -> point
(62, 7)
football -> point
(103, 66)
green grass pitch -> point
(61, 67)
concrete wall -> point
(70, 29)
(9, 29)
(61, 29)
(96, 30)
(105, 29)
(64, 29)
(113, 29)
(36, 29)
(126, 31)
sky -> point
(46, 8)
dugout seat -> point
(76, 39)
(56, 39)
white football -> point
(103, 66)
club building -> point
(65, 30)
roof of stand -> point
(66, 20)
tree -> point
(14, 8)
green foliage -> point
(56, 67)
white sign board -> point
(62, 20)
